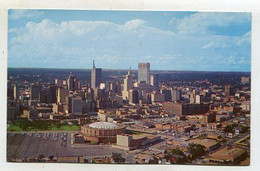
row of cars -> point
(63, 139)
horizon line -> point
(123, 69)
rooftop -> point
(104, 125)
(226, 152)
(205, 142)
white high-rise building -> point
(128, 83)
(144, 72)
(198, 99)
(154, 81)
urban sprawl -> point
(130, 117)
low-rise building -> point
(208, 143)
(226, 155)
(130, 142)
(162, 126)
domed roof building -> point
(102, 132)
(103, 125)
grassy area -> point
(66, 127)
(25, 125)
(14, 128)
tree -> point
(244, 129)
(230, 128)
(177, 152)
(93, 142)
(51, 157)
(58, 125)
(25, 126)
(154, 161)
(41, 156)
(197, 150)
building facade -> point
(102, 132)
(96, 76)
(144, 72)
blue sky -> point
(119, 39)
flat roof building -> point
(226, 154)
(144, 72)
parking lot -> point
(20, 145)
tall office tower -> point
(35, 90)
(112, 87)
(118, 88)
(96, 76)
(227, 90)
(72, 82)
(10, 93)
(167, 94)
(16, 92)
(61, 95)
(127, 85)
(154, 81)
(68, 104)
(176, 95)
(76, 105)
(13, 109)
(193, 97)
(157, 97)
(144, 72)
(89, 94)
(53, 93)
(133, 96)
(97, 93)
(58, 82)
(79, 86)
(198, 99)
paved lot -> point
(20, 145)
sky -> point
(168, 40)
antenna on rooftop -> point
(93, 63)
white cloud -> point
(209, 45)
(133, 24)
(18, 14)
(173, 21)
(200, 22)
(75, 43)
(246, 38)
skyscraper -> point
(58, 82)
(154, 81)
(198, 99)
(133, 96)
(127, 85)
(227, 90)
(61, 95)
(53, 93)
(35, 90)
(176, 95)
(72, 82)
(96, 76)
(144, 72)
(167, 94)
(76, 105)
(193, 96)
(16, 92)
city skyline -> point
(168, 40)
